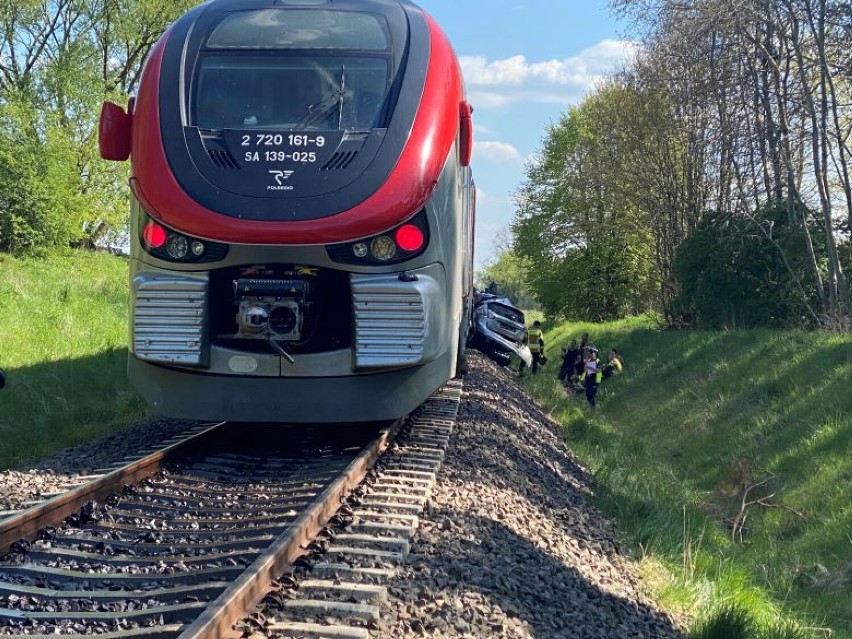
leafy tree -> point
(727, 106)
(742, 271)
(760, 95)
(58, 61)
(578, 223)
(509, 274)
(38, 207)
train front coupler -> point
(271, 309)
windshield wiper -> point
(319, 110)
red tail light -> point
(154, 235)
(409, 237)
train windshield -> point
(294, 69)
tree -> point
(509, 274)
(38, 206)
(59, 60)
(579, 221)
(763, 88)
(738, 271)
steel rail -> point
(25, 524)
(218, 619)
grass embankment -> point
(63, 344)
(726, 458)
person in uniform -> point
(535, 341)
(593, 374)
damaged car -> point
(499, 329)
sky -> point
(525, 62)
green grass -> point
(63, 337)
(695, 419)
(677, 440)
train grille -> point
(222, 159)
(390, 328)
(168, 320)
(340, 160)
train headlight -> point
(177, 247)
(383, 248)
(169, 245)
(400, 244)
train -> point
(302, 212)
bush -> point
(746, 272)
(39, 202)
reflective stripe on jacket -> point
(534, 340)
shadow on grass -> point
(58, 404)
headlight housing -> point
(392, 247)
(166, 244)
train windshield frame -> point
(286, 69)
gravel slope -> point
(508, 546)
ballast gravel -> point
(508, 545)
(19, 487)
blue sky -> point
(525, 62)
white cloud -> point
(488, 100)
(500, 152)
(496, 100)
(497, 83)
(607, 53)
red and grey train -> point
(302, 211)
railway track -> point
(335, 590)
(186, 545)
(53, 507)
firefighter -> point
(535, 341)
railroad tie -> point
(353, 572)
